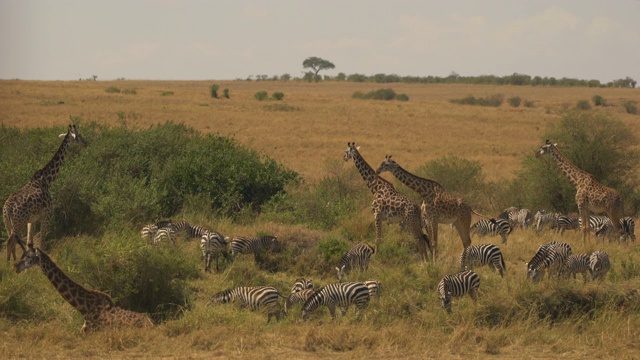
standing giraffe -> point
(32, 203)
(438, 206)
(388, 204)
(591, 195)
(96, 307)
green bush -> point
(598, 100)
(130, 91)
(583, 105)
(278, 95)
(528, 103)
(214, 90)
(493, 100)
(166, 93)
(380, 94)
(515, 101)
(332, 249)
(261, 95)
(112, 89)
(225, 93)
(631, 107)
(402, 97)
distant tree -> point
(316, 64)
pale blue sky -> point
(170, 39)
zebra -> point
(374, 288)
(254, 297)
(542, 218)
(213, 244)
(550, 256)
(301, 284)
(577, 263)
(163, 235)
(255, 245)
(300, 296)
(482, 255)
(517, 217)
(356, 258)
(465, 282)
(595, 222)
(566, 222)
(149, 231)
(493, 227)
(338, 294)
(599, 264)
(606, 229)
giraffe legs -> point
(378, 221)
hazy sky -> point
(165, 39)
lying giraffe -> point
(591, 195)
(32, 203)
(389, 204)
(97, 308)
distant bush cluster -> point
(493, 100)
(263, 95)
(380, 94)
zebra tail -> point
(504, 266)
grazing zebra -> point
(149, 231)
(374, 288)
(599, 264)
(254, 245)
(213, 244)
(338, 294)
(517, 217)
(253, 297)
(300, 296)
(595, 222)
(606, 229)
(550, 256)
(465, 282)
(566, 222)
(164, 235)
(482, 255)
(542, 218)
(577, 263)
(356, 258)
(492, 227)
(301, 284)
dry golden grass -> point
(401, 323)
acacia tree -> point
(317, 64)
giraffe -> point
(32, 203)
(96, 307)
(388, 204)
(591, 195)
(438, 206)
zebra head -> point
(546, 148)
(387, 165)
(444, 295)
(340, 271)
(534, 273)
(351, 151)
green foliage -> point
(528, 103)
(166, 93)
(130, 91)
(583, 105)
(402, 97)
(225, 93)
(213, 89)
(493, 100)
(332, 249)
(515, 101)
(261, 95)
(317, 64)
(380, 94)
(631, 107)
(599, 100)
(278, 95)
(112, 89)
(280, 107)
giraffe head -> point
(387, 165)
(546, 148)
(351, 151)
(74, 135)
(30, 258)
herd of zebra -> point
(553, 257)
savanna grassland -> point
(308, 132)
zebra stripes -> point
(255, 245)
(599, 264)
(301, 284)
(551, 257)
(485, 254)
(300, 296)
(465, 282)
(212, 245)
(517, 217)
(577, 264)
(164, 235)
(543, 218)
(492, 227)
(606, 229)
(357, 258)
(338, 294)
(566, 222)
(374, 288)
(253, 297)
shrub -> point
(493, 100)
(380, 94)
(261, 95)
(358, 95)
(278, 95)
(631, 107)
(528, 103)
(515, 101)
(402, 97)
(214, 90)
(583, 105)
(166, 93)
(225, 93)
(112, 89)
(280, 107)
(598, 100)
(332, 249)
(130, 91)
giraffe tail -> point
(478, 214)
(425, 238)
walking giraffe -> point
(591, 195)
(388, 204)
(438, 206)
(96, 307)
(32, 203)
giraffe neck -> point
(425, 187)
(50, 171)
(374, 182)
(572, 172)
(83, 300)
